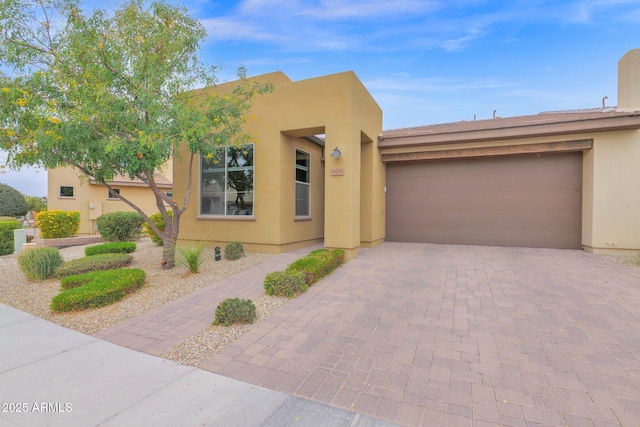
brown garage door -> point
(525, 200)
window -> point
(303, 183)
(66, 191)
(113, 193)
(226, 181)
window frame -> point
(225, 215)
(62, 196)
(307, 184)
(110, 197)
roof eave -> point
(516, 132)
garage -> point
(528, 200)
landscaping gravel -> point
(161, 286)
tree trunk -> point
(169, 241)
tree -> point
(113, 94)
(12, 202)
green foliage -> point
(6, 235)
(39, 263)
(7, 218)
(110, 248)
(96, 289)
(285, 283)
(318, 264)
(35, 203)
(93, 263)
(157, 219)
(57, 224)
(12, 203)
(235, 310)
(119, 226)
(191, 257)
(233, 250)
(112, 92)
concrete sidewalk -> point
(53, 376)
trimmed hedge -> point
(110, 248)
(58, 224)
(12, 202)
(97, 289)
(6, 236)
(40, 263)
(119, 226)
(233, 250)
(93, 263)
(318, 264)
(157, 219)
(235, 310)
(285, 283)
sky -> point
(424, 61)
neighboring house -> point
(67, 192)
(567, 179)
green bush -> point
(318, 264)
(159, 222)
(119, 226)
(97, 289)
(35, 203)
(58, 224)
(93, 263)
(7, 218)
(6, 236)
(12, 203)
(285, 283)
(110, 248)
(39, 263)
(191, 257)
(233, 250)
(235, 310)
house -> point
(67, 191)
(566, 179)
(313, 172)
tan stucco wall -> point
(337, 106)
(629, 81)
(86, 194)
(610, 182)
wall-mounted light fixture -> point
(336, 153)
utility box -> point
(19, 239)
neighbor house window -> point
(303, 183)
(226, 181)
(113, 193)
(66, 191)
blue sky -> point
(426, 61)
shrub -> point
(233, 250)
(157, 219)
(39, 263)
(58, 224)
(318, 264)
(191, 257)
(235, 310)
(35, 203)
(7, 218)
(6, 236)
(285, 283)
(110, 248)
(93, 263)
(119, 226)
(96, 289)
(12, 203)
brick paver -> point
(425, 334)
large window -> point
(303, 183)
(226, 181)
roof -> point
(123, 181)
(542, 124)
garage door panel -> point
(529, 200)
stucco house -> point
(320, 169)
(67, 191)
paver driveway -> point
(427, 334)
